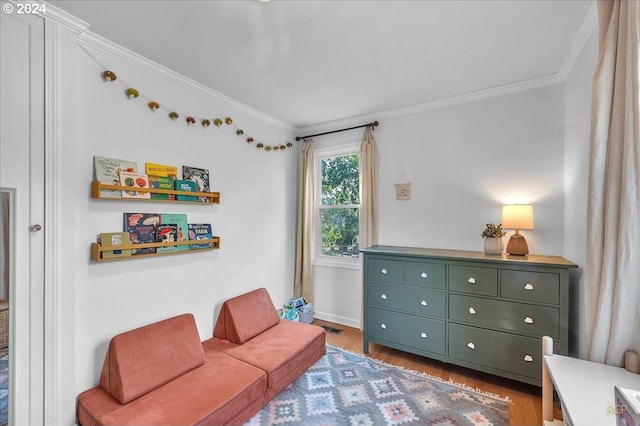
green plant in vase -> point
(492, 236)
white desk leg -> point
(547, 383)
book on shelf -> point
(112, 240)
(107, 171)
(166, 232)
(182, 231)
(142, 234)
(200, 177)
(200, 231)
(137, 219)
(134, 181)
(162, 182)
(161, 170)
(142, 230)
(185, 185)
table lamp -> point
(517, 216)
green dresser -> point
(485, 312)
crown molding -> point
(440, 103)
(90, 39)
(104, 45)
(60, 17)
(587, 27)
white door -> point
(22, 171)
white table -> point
(586, 389)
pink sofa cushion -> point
(283, 352)
(222, 391)
(244, 317)
(141, 360)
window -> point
(338, 204)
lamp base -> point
(517, 245)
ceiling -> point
(311, 62)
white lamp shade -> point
(517, 216)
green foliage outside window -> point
(340, 209)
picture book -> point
(134, 181)
(162, 182)
(200, 231)
(137, 219)
(108, 239)
(107, 171)
(142, 234)
(161, 170)
(182, 232)
(185, 185)
(166, 232)
(200, 177)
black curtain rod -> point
(375, 123)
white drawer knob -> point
(470, 345)
(471, 280)
(383, 326)
(528, 320)
(528, 358)
(528, 286)
(423, 335)
(472, 311)
(384, 296)
(383, 271)
(423, 303)
(423, 275)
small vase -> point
(493, 245)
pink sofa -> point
(162, 374)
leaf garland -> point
(174, 115)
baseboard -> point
(349, 322)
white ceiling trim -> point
(587, 28)
(65, 19)
(88, 38)
(440, 103)
(95, 41)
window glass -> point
(340, 206)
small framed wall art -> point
(403, 188)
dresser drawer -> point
(424, 274)
(384, 270)
(541, 287)
(473, 279)
(409, 330)
(407, 299)
(518, 317)
(502, 351)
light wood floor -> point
(526, 405)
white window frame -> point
(320, 154)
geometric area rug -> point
(344, 388)
(4, 389)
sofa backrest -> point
(141, 360)
(244, 317)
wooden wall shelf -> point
(97, 187)
(97, 249)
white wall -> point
(577, 132)
(464, 162)
(255, 219)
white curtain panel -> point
(612, 271)
(368, 190)
(305, 233)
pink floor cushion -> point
(244, 317)
(145, 358)
(222, 391)
(284, 351)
